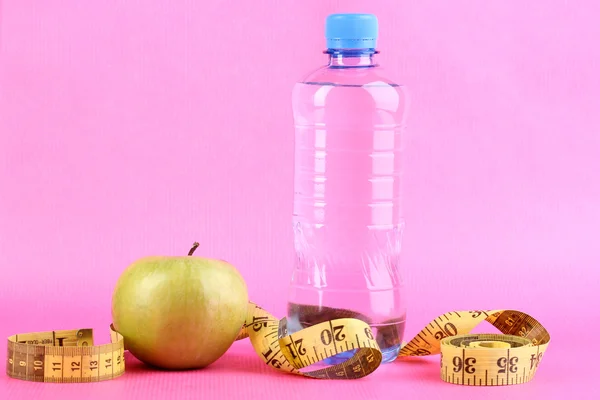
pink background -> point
(130, 128)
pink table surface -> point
(568, 369)
(240, 375)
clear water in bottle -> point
(348, 221)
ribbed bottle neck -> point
(346, 58)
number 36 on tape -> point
(509, 357)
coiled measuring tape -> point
(510, 357)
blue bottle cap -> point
(351, 31)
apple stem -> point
(194, 247)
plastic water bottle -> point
(348, 221)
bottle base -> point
(388, 334)
(389, 355)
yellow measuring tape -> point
(510, 357)
(64, 356)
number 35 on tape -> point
(510, 357)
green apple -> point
(179, 312)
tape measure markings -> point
(64, 356)
(511, 357)
(324, 339)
